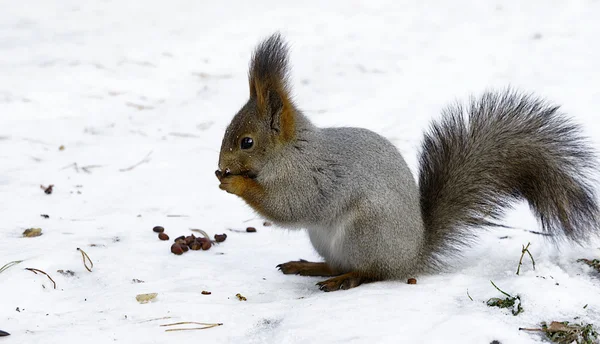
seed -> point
(220, 237)
(177, 249)
(189, 239)
(205, 243)
(158, 229)
(195, 246)
(251, 230)
(180, 238)
(163, 236)
(204, 292)
(412, 281)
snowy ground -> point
(115, 80)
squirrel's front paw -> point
(234, 184)
(304, 268)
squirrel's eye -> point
(246, 143)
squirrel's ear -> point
(269, 87)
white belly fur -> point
(328, 241)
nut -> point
(195, 246)
(205, 243)
(251, 230)
(220, 237)
(189, 239)
(204, 292)
(180, 238)
(158, 229)
(412, 281)
(185, 248)
(177, 249)
(163, 236)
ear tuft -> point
(269, 84)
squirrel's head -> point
(268, 120)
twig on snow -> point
(10, 264)
(206, 325)
(84, 256)
(525, 249)
(143, 161)
(35, 271)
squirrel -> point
(365, 213)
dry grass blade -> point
(525, 249)
(201, 232)
(143, 161)
(154, 319)
(192, 328)
(10, 264)
(191, 323)
(35, 271)
(206, 326)
(500, 290)
(86, 258)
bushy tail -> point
(511, 147)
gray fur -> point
(352, 191)
(348, 188)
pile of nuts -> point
(191, 242)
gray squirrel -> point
(353, 192)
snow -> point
(116, 81)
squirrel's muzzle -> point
(222, 174)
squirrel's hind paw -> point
(343, 282)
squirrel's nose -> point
(221, 174)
